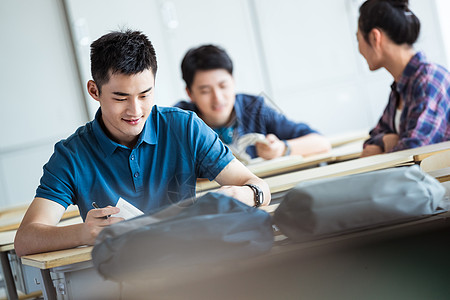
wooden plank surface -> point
(285, 164)
(348, 137)
(10, 219)
(285, 182)
(277, 183)
(70, 256)
(59, 258)
(421, 153)
(81, 254)
(442, 175)
(7, 237)
(265, 168)
(7, 240)
(377, 162)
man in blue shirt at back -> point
(148, 155)
(207, 71)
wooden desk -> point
(285, 182)
(284, 256)
(348, 137)
(443, 175)
(408, 261)
(60, 259)
(265, 168)
(281, 183)
(81, 254)
(10, 219)
(7, 245)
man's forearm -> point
(309, 144)
(37, 238)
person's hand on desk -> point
(390, 140)
(233, 179)
(271, 148)
(244, 193)
(39, 232)
(96, 220)
(370, 150)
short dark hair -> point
(393, 17)
(206, 57)
(126, 52)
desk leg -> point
(50, 290)
(7, 274)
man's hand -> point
(370, 150)
(239, 192)
(232, 179)
(273, 149)
(97, 220)
(390, 140)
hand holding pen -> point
(97, 219)
(105, 212)
(96, 207)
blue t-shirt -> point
(253, 115)
(173, 150)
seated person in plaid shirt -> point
(418, 112)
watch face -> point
(261, 197)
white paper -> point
(250, 139)
(127, 210)
(239, 146)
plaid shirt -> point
(425, 118)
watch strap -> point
(287, 149)
(258, 194)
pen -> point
(96, 207)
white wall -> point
(41, 99)
(173, 27)
(443, 10)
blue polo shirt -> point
(253, 115)
(173, 150)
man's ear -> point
(188, 91)
(93, 90)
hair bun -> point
(402, 4)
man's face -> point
(126, 102)
(213, 93)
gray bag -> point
(332, 206)
(183, 238)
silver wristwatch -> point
(259, 195)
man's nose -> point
(134, 108)
(217, 96)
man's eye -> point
(120, 99)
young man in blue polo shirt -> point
(207, 71)
(148, 155)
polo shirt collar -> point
(238, 109)
(410, 69)
(108, 146)
(149, 134)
